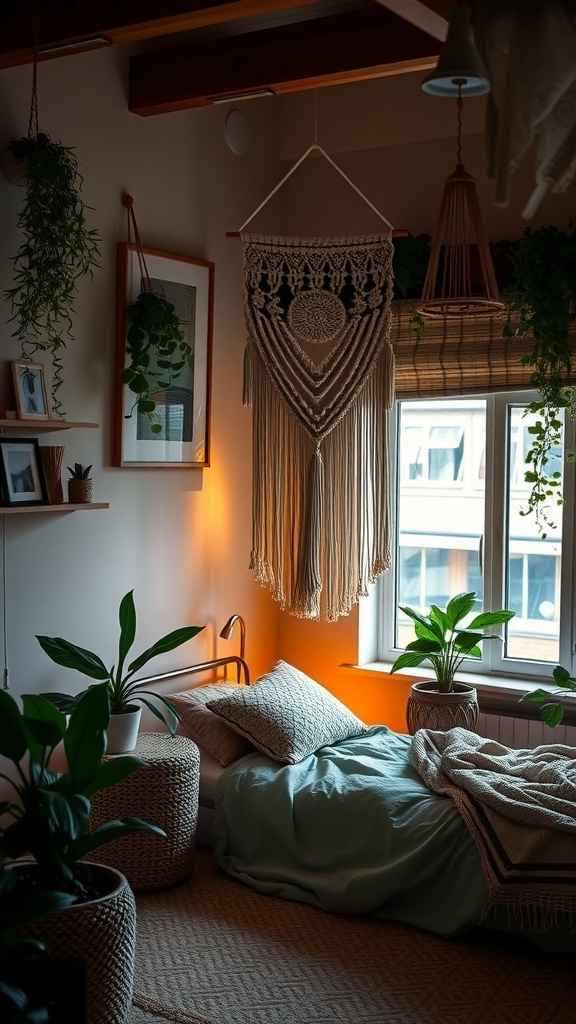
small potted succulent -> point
(123, 690)
(442, 641)
(79, 484)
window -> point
(461, 525)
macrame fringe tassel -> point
(305, 598)
(333, 496)
(248, 386)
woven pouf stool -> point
(165, 793)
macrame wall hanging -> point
(319, 375)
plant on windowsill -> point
(541, 298)
(46, 838)
(444, 643)
(56, 251)
(551, 710)
(123, 690)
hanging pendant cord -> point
(459, 124)
(33, 120)
(128, 202)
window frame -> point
(378, 626)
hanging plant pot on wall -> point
(57, 249)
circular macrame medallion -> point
(316, 316)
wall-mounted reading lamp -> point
(227, 630)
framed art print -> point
(21, 474)
(177, 433)
(30, 390)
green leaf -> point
(536, 696)
(127, 619)
(459, 607)
(491, 619)
(168, 643)
(85, 739)
(70, 656)
(408, 660)
(13, 743)
(113, 830)
(551, 714)
(112, 771)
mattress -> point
(210, 772)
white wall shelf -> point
(35, 426)
(64, 506)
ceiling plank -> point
(61, 22)
(325, 51)
(430, 16)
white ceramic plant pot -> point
(122, 733)
(427, 708)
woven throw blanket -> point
(318, 372)
(520, 807)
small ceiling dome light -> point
(459, 69)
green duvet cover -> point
(352, 829)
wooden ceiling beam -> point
(67, 27)
(430, 16)
(308, 55)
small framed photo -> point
(30, 390)
(21, 475)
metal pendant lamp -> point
(450, 288)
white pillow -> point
(287, 715)
(206, 728)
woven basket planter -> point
(102, 932)
(79, 491)
(427, 708)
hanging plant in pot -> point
(56, 251)
(445, 643)
(90, 909)
(542, 305)
(123, 690)
(57, 248)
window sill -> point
(490, 683)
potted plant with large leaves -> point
(57, 249)
(123, 689)
(444, 641)
(46, 838)
(541, 299)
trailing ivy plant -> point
(56, 251)
(157, 349)
(542, 305)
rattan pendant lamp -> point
(450, 288)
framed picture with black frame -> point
(177, 433)
(21, 475)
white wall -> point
(180, 538)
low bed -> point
(301, 800)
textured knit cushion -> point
(206, 728)
(287, 715)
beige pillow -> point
(206, 728)
(287, 715)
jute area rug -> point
(213, 951)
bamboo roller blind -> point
(458, 357)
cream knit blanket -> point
(520, 807)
